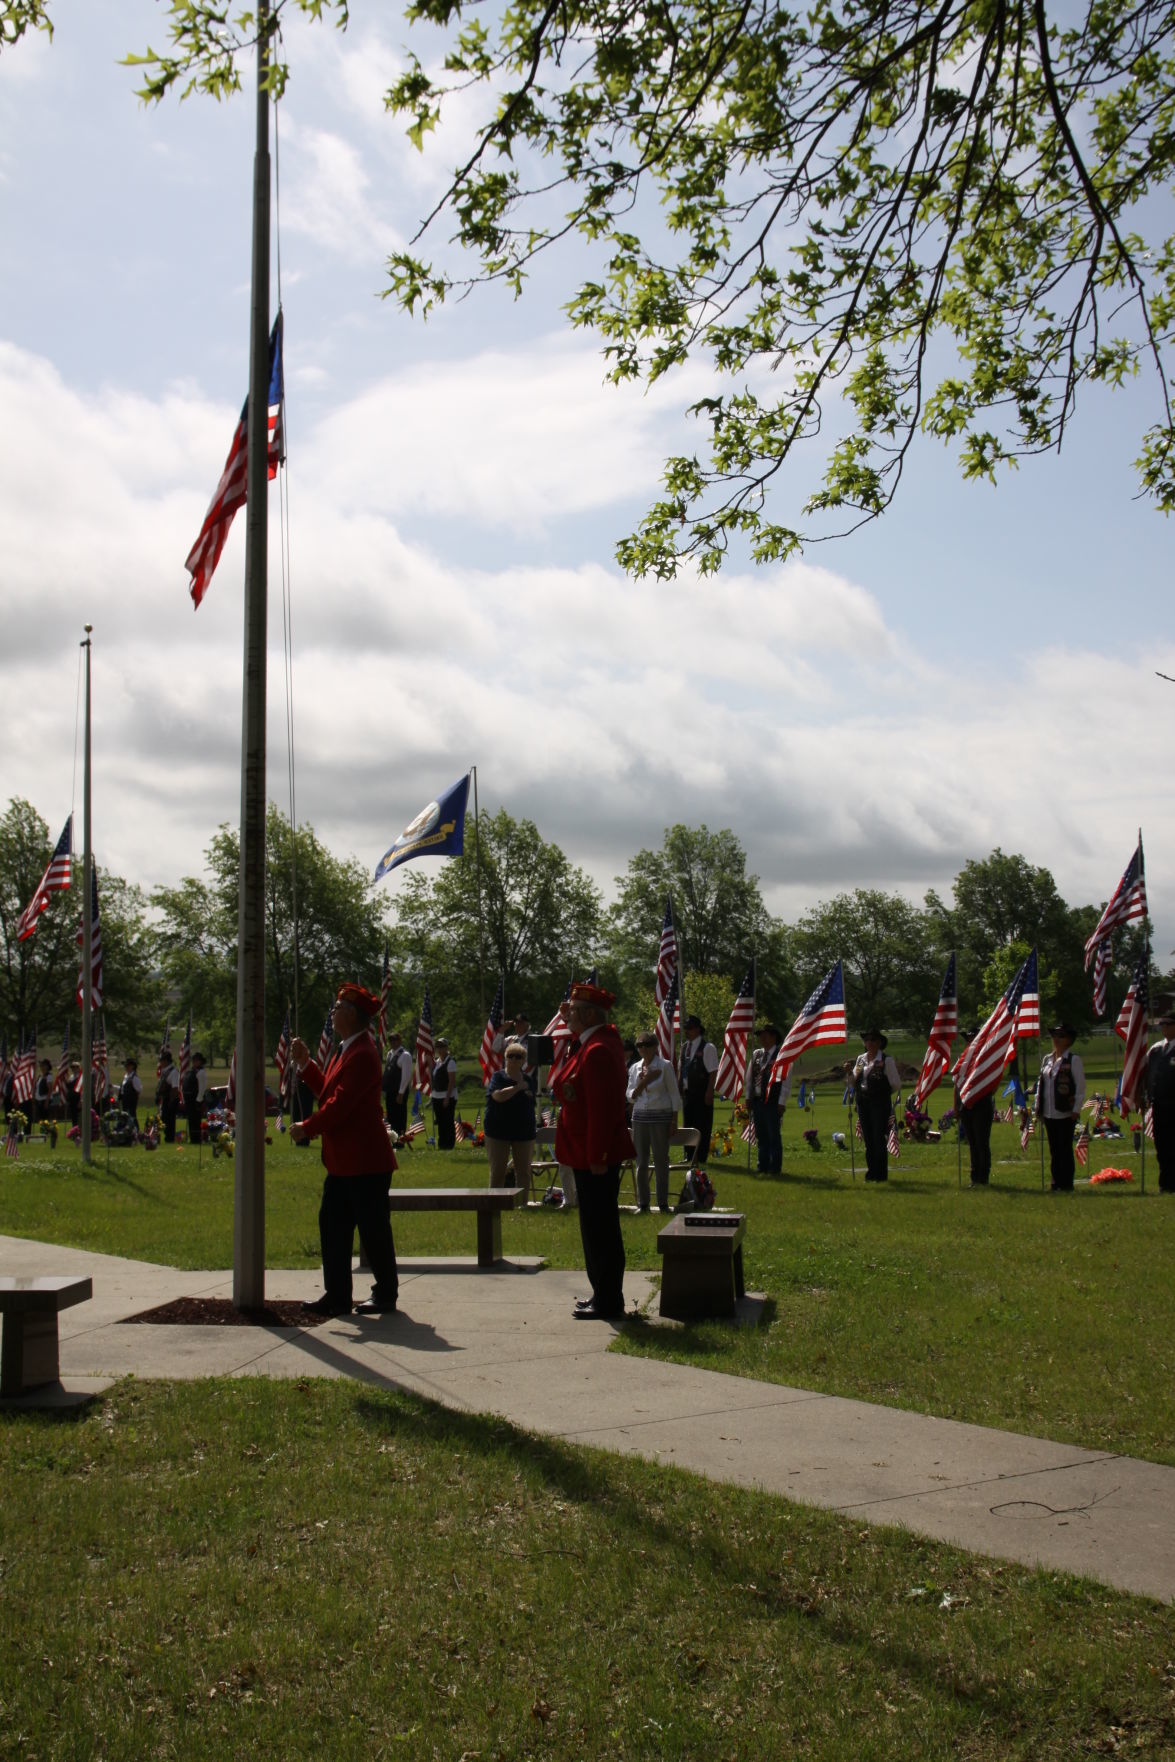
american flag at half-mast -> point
(55, 880)
(731, 1077)
(1127, 904)
(95, 946)
(233, 488)
(489, 1060)
(941, 1037)
(1015, 1017)
(424, 1048)
(1131, 1027)
(281, 1057)
(1103, 961)
(821, 1022)
(666, 981)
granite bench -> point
(29, 1352)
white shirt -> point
(709, 1056)
(891, 1069)
(660, 1097)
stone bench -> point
(488, 1202)
(29, 1352)
(701, 1265)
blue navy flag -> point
(437, 831)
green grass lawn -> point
(321, 1569)
(1035, 1312)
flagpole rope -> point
(77, 717)
(287, 588)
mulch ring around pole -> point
(221, 1312)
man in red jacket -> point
(357, 1154)
(592, 1137)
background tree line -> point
(543, 921)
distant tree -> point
(340, 932)
(541, 916)
(890, 964)
(718, 909)
(709, 996)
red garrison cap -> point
(585, 993)
(366, 1002)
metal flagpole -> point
(852, 1139)
(1146, 949)
(481, 983)
(249, 1157)
(87, 932)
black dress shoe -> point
(377, 1306)
(585, 1303)
(326, 1306)
(590, 1313)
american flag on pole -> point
(281, 1057)
(1128, 903)
(666, 982)
(98, 1062)
(230, 1088)
(1131, 1027)
(232, 489)
(326, 1041)
(821, 1022)
(424, 1048)
(95, 946)
(24, 1072)
(1103, 961)
(385, 992)
(60, 1084)
(1015, 1016)
(668, 1018)
(731, 1076)
(186, 1050)
(55, 880)
(164, 1048)
(1081, 1147)
(489, 1060)
(941, 1038)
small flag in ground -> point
(941, 1037)
(1027, 1130)
(1148, 1122)
(748, 1133)
(821, 1022)
(1131, 1027)
(233, 488)
(891, 1142)
(857, 1132)
(11, 1148)
(281, 1057)
(489, 1060)
(1081, 1148)
(95, 946)
(732, 1066)
(1127, 904)
(55, 880)
(424, 1048)
(982, 1063)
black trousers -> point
(194, 1115)
(1061, 1160)
(397, 1111)
(768, 1136)
(701, 1115)
(169, 1113)
(975, 1123)
(599, 1230)
(445, 1115)
(350, 1203)
(1164, 1117)
(874, 1119)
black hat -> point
(1167, 1016)
(875, 1034)
(768, 1028)
(1063, 1031)
(694, 1022)
(968, 1035)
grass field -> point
(320, 1569)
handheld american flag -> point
(424, 1047)
(732, 1066)
(1131, 1027)
(942, 1033)
(1128, 903)
(55, 880)
(95, 946)
(489, 1060)
(232, 490)
(1015, 1016)
(821, 1022)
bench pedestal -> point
(29, 1351)
(701, 1266)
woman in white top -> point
(656, 1103)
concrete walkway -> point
(505, 1342)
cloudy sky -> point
(978, 669)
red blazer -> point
(349, 1118)
(590, 1089)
